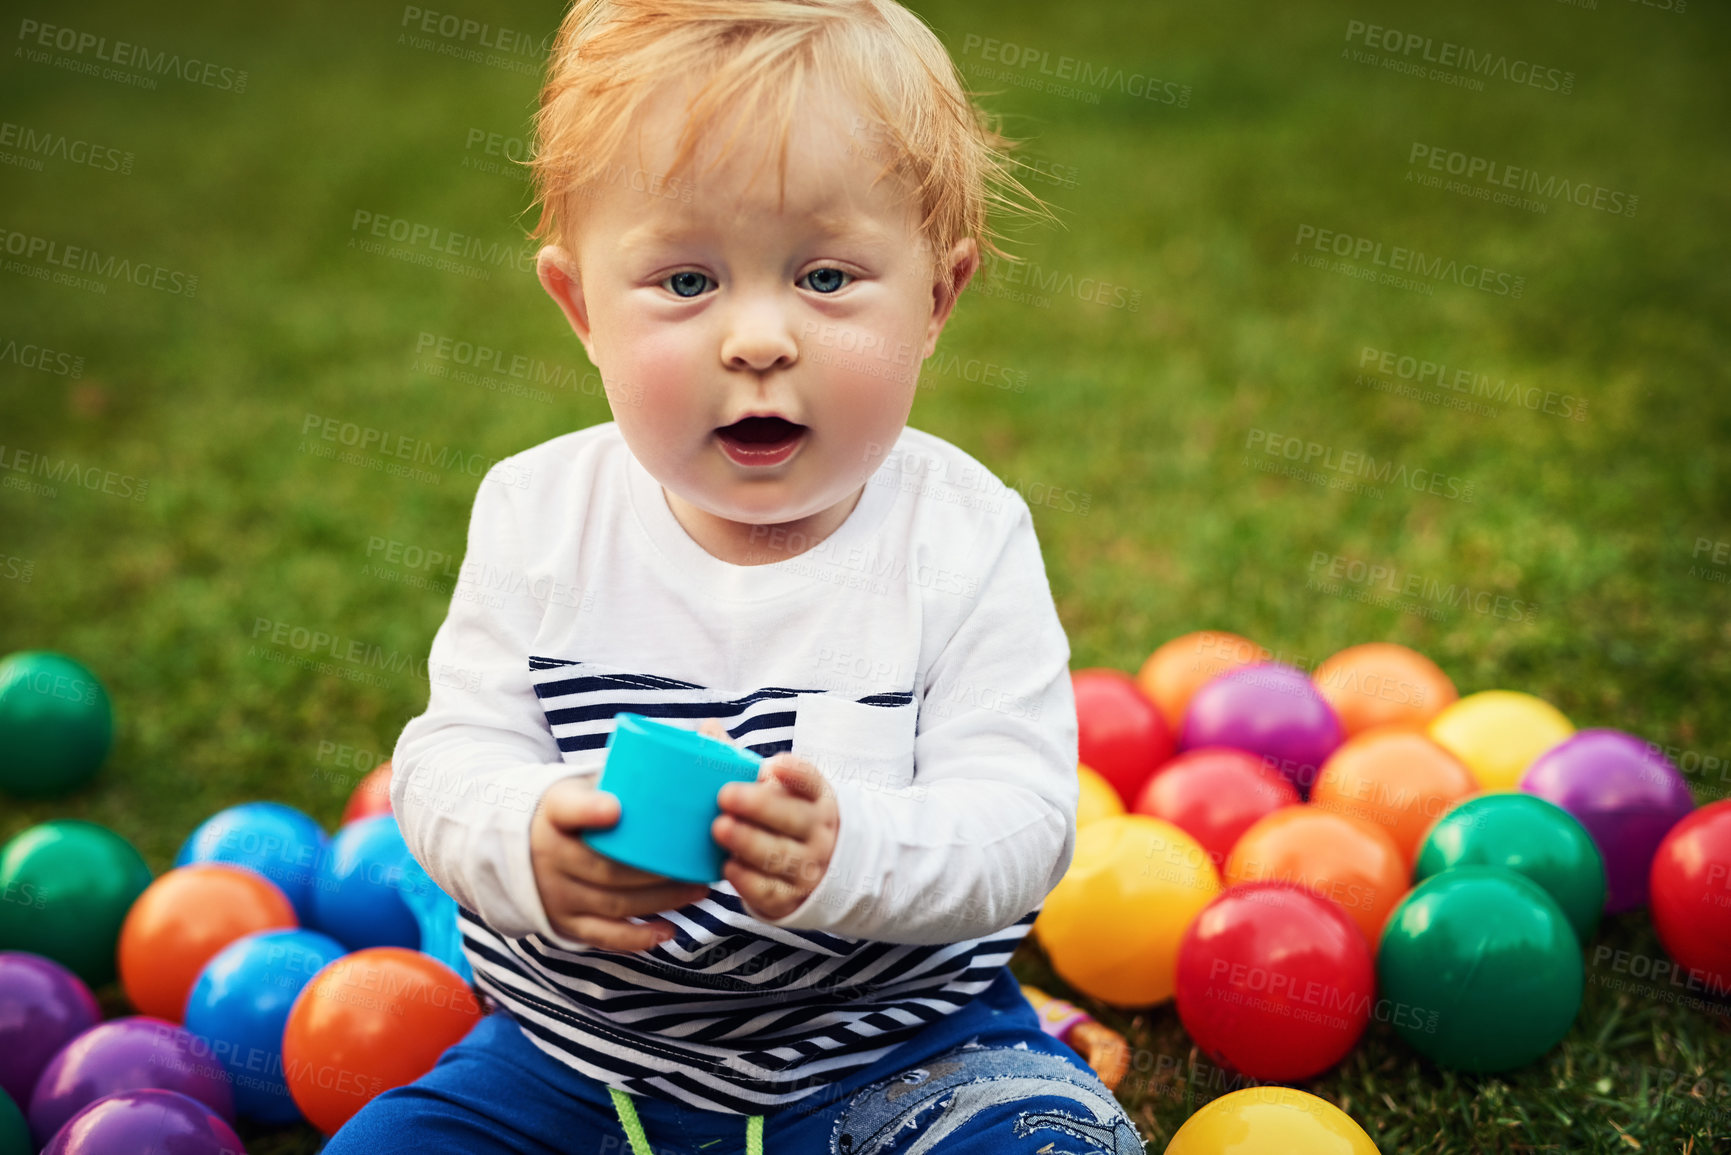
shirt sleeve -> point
(468, 774)
(989, 825)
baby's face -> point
(761, 358)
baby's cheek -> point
(866, 373)
(867, 401)
(871, 361)
(658, 374)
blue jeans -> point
(983, 1081)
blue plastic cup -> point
(667, 780)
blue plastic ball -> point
(240, 1004)
(277, 841)
(359, 895)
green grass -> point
(1141, 417)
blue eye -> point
(827, 280)
(686, 284)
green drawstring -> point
(640, 1142)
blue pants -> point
(983, 1081)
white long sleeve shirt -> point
(914, 656)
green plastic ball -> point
(14, 1132)
(1481, 969)
(56, 724)
(1529, 836)
(65, 889)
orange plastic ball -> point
(1344, 859)
(371, 796)
(1174, 672)
(1393, 778)
(1382, 684)
(1098, 798)
(375, 1019)
(1113, 924)
(182, 920)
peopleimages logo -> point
(362, 439)
(50, 259)
(40, 39)
(1400, 259)
(32, 463)
(1358, 464)
(466, 31)
(1496, 175)
(35, 145)
(1068, 71)
(41, 358)
(437, 242)
(1334, 568)
(1446, 54)
(1439, 375)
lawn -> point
(1145, 380)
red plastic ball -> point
(371, 795)
(1690, 884)
(1275, 982)
(1214, 795)
(1121, 733)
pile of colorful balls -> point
(1287, 855)
(276, 973)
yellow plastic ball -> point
(1113, 923)
(1270, 1121)
(1098, 800)
(1498, 733)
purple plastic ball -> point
(1270, 710)
(1627, 795)
(129, 1054)
(42, 1007)
(145, 1122)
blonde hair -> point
(758, 55)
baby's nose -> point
(759, 338)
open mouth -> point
(761, 440)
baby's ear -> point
(950, 275)
(558, 275)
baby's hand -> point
(588, 897)
(781, 831)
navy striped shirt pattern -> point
(731, 1014)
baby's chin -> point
(760, 501)
(803, 491)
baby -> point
(759, 215)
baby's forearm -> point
(956, 860)
(464, 802)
